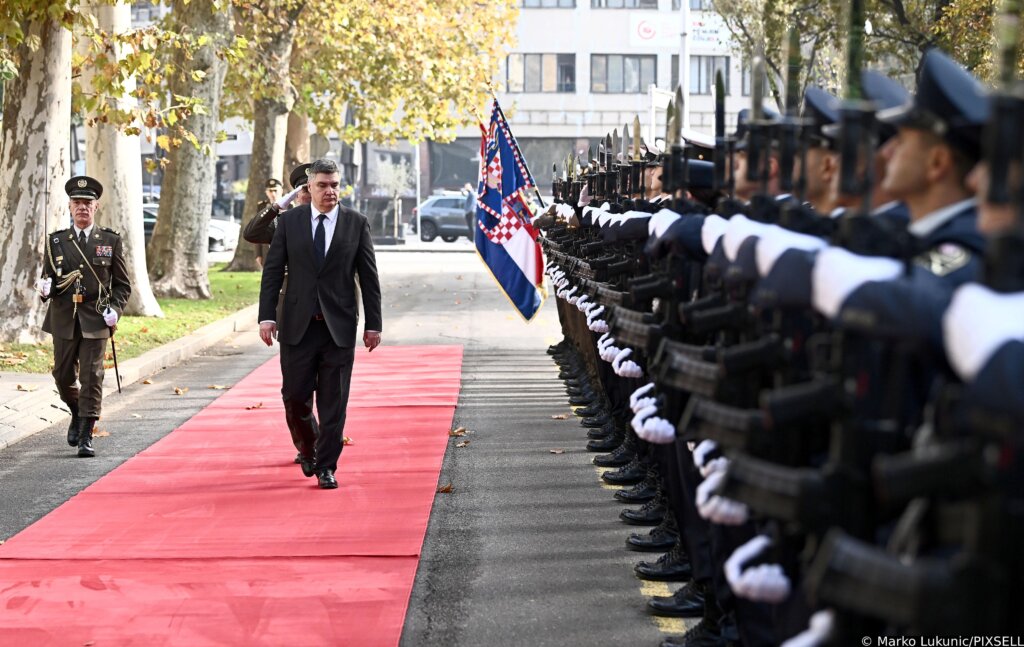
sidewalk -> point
(30, 402)
(414, 244)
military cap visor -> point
(700, 174)
(299, 175)
(83, 187)
(273, 183)
(949, 103)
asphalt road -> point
(527, 549)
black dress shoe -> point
(673, 566)
(702, 634)
(308, 465)
(605, 432)
(657, 540)
(582, 400)
(687, 602)
(629, 474)
(326, 480)
(650, 514)
(621, 456)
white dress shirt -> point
(87, 230)
(330, 222)
(939, 217)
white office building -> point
(583, 67)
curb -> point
(30, 413)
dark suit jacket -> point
(104, 253)
(350, 252)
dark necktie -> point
(81, 240)
(319, 248)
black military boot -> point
(622, 455)
(687, 602)
(673, 566)
(592, 410)
(597, 421)
(604, 432)
(643, 491)
(608, 443)
(629, 474)
(73, 427)
(85, 426)
(649, 514)
(706, 633)
(663, 537)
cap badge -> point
(82, 184)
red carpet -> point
(213, 537)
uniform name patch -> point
(104, 250)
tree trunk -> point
(114, 159)
(296, 146)
(270, 127)
(34, 141)
(270, 130)
(177, 250)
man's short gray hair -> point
(325, 166)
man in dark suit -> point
(324, 246)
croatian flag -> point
(505, 239)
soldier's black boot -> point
(85, 426)
(73, 427)
(663, 537)
(687, 602)
(649, 514)
(673, 566)
(643, 491)
(629, 474)
(706, 633)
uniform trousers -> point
(80, 359)
(316, 365)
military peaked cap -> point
(83, 187)
(299, 175)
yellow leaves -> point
(180, 390)
(217, 387)
(27, 389)
(560, 416)
(258, 405)
(345, 440)
(445, 489)
(147, 381)
(100, 433)
(464, 443)
(460, 431)
(557, 451)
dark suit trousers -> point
(316, 364)
(80, 359)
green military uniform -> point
(89, 275)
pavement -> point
(526, 549)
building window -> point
(549, 4)
(675, 72)
(702, 73)
(695, 5)
(623, 4)
(619, 74)
(746, 76)
(541, 73)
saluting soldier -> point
(86, 282)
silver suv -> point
(448, 215)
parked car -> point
(444, 215)
(222, 234)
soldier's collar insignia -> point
(56, 240)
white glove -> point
(701, 451)
(598, 325)
(719, 509)
(643, 403)
(658, 431)
(287, 198)
(629, 368)
(609, 353)
(44, 285)
(837, 273)
(639, 393)
(109, 317)
(581, 303)
(565, 211)
(977, 324)
(714, 465)
(594, 313)
(817, 634)
(643, 414)
(761, 583)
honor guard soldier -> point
(85, 280)
(260, 230)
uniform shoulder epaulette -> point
(112, 231)
(944, 259)
(58, 232)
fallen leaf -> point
(135, 415)
(258, 405)
(217, 387)
(180, 391)
(144, 329)
(557, 451)
(99, 433)
(345, 440)
(457, 302)
(445, 489)
(29, 388)
(147, 381)
(462, 443)
(461, 431)
(561, 416)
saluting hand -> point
(371, 339)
